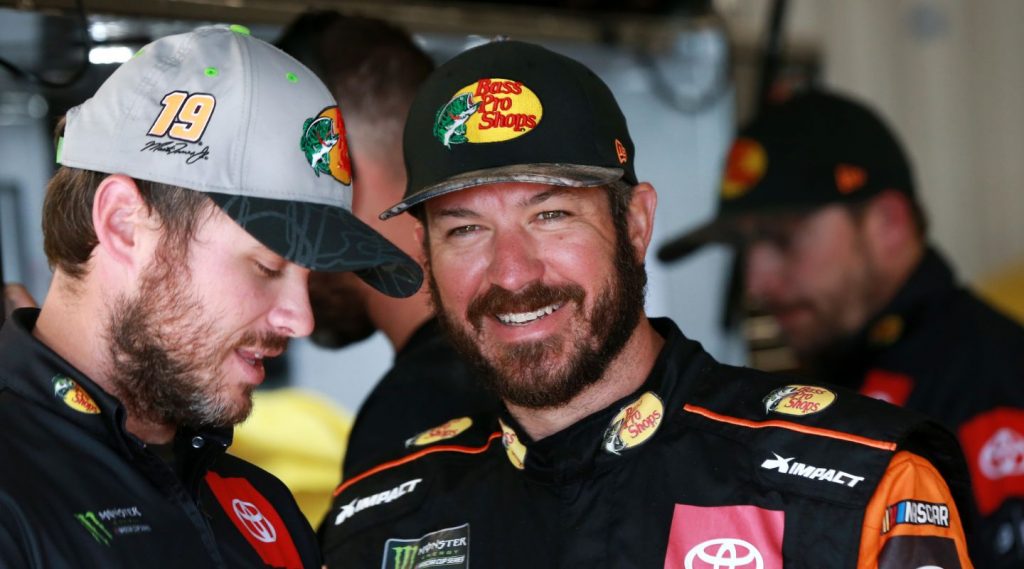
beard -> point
(528, 374)
(340, 314)
(167, 352)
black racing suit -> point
(938, 349)
(428, 385)
(704, 466)
(78, 490)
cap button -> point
(240, 29)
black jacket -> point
(705, 464)
(428, 385)
(78, 490)
(938, 349)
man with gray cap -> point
(819, 196)
(622, 443)
(198, 188)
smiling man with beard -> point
(193, 200)
(621, 442)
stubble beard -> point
(166, 354)
(527, 374)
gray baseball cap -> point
(220, 112)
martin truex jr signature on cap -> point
(220, 112)
(510, 111)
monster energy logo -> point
(95, 526)
(404, 556)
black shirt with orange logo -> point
(704, 466)
(938, 349)
(78, 490)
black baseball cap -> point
(509, 111)
(814, 149)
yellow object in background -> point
(300, 437)
(1004, 289)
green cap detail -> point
(291, 77)
(60, 148)
(138, 53)
(240, 29)
(211, 72)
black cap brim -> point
(325, 238)
(566, 175)
(716, 231)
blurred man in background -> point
(374, 69)
(819, 195)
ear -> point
(890, 224)
(641, 217)
(122, 221)
(420, 232)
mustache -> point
(263, 341)
(499, 300)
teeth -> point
(524, 317)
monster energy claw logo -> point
(318, 138)
(404, 556)
(95, 527)
(450, 122)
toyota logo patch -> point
(254, 521)
(724, 553)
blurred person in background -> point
(819, 195)
(182, 227)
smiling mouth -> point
(252, 358)
(523, 318)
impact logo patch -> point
(798, 400)
(514, 448)
(182, 121)
(105, 525)
(451, 429)
(634, 424)
(744, 168)
(788, 466)
(323, 143)
(443, 548)
(916, 513)
(488, 110)
(68, 391)
(386, 497)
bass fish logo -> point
(634, 424)
(452, 428)
(489, 110)
(744, 168)
(323, 143)
(798, 400)
(65, 389)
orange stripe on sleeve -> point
(912, 499)
(414, 456)
(806, 429)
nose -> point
(514, 262)
(763, 271)
(292, 314)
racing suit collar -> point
(844, 363)
(577, 451)
(37, 373)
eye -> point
(267, 271)
(551, 215)
(463, 230)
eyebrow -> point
(544, 196)
(456, 212)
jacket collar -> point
(621, 429)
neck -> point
(624, 375)
(74, 311)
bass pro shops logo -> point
(489, 110)
(634, 424)
(323, 143)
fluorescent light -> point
(109, 54)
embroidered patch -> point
(634, 424)
(323, 143)
(994, 446)
(106, 524)
(916, 513)
(181, 123)
(452, 428)
(68, 391)
(488, 110)
(734, 537)
(256, 519)
(515, 449)
(798, 400)
(888, 386)
(744, 168)
(386, 497)
(443, 548)
(886, 331)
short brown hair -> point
(69, 236)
